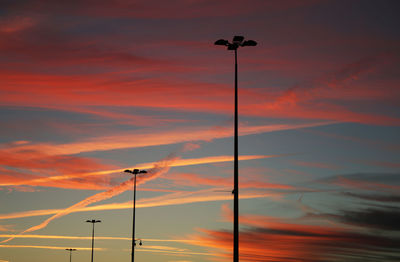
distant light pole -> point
(93, 221)
(70, 253)
(236, 43)
(140, 242)
(134, 172)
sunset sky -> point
(90, 88)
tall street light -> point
(238, 41)
(93, 221)
(70, 253)
(134, 172)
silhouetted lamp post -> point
(93, 221)
(238, 41)
(134, 172)
(70, 253)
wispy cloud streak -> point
(157, 170)
(146, 139)
(179, 198)
(49, 247)
(46, 181)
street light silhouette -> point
(140, 242)
(93, 221)
(134, 172)
(238, 41)
(70, 253)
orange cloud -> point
(177, 198)
(78, 172)
(305, 101)
(121, 75)
(59, 180)
(97, 237)
(188, 179)
(172, 251)
(62, 237)
(271, 239)
(144, 138)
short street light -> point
(134, 172)
(238, 41)
(140, 242)
(70, 253)
(93, 221)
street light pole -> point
(93, 221)
(236, 42)
(134, 172)
(236, 174)
(70, 253)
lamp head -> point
(135, 171)
(249, 43)
(237, 39)
(221, 42)
(93, 221)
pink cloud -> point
(12, 24)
